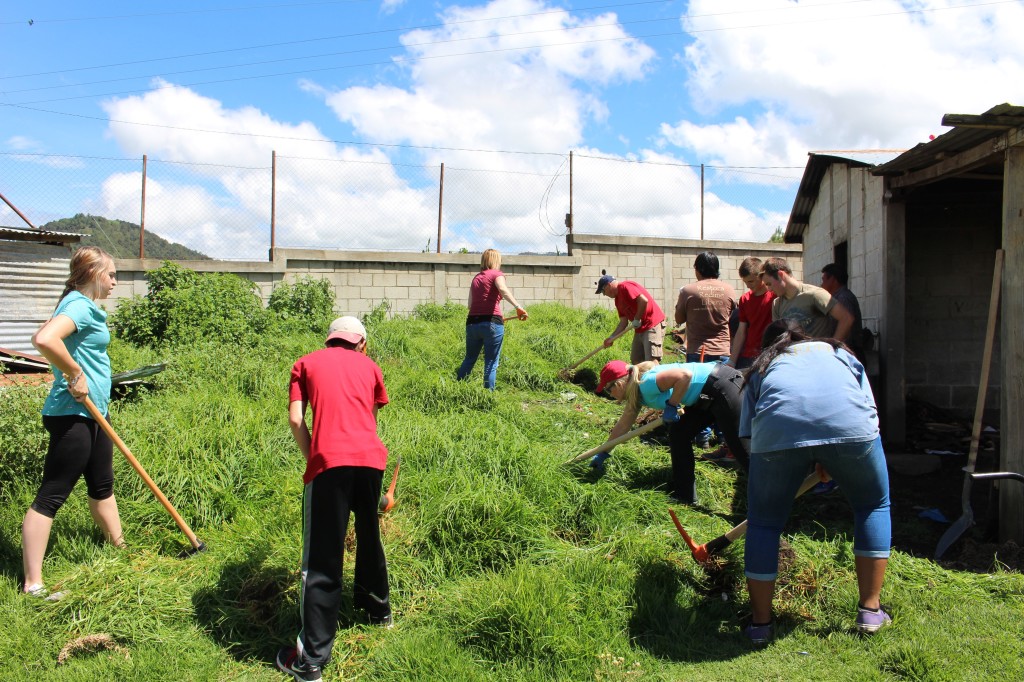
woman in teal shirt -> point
(74, 340)
(710, 394)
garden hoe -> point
(564, 375)
(966, 520)
(387, 500)
(197, 544)
(646, 428)
(702, 553)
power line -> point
(360, 34)
(179, 12)
(401, 59)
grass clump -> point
(504, 564)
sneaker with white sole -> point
(288, 661)
(759, 634)
(871, 621)
(39, 591)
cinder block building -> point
(919, 233)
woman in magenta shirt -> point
(485, 329)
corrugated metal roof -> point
(32, 277)
(960, 139)
(23, 234)
(817, 164)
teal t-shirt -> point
(655, 398)
(88, 346)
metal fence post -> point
(273, 201)
(440, 204)
(142, 218)
(702, 202)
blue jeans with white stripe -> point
(858, 468)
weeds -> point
(504, 565)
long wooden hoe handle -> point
(595, 351)
(809, 482)
(646, 428)
(142, 472)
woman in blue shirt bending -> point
(807, 402)
(74, 340)
(710, 394)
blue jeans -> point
(858, 468)
(487, 336)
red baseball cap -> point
(616, 369)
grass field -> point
(505, 565)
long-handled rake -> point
(646, 428)
(197, 544)
(702, 553)
(966, 519)
(564, 372)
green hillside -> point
(121, 238)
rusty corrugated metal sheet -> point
(23, 234)
(949, 144)
(32, 277)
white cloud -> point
(841, 75)
(21, 143)
(524, 79)
(390, 6)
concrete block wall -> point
(362, 280)
(663, 265)
(849, 208)
(950, 256)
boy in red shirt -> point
(755, 315)
(345, 463)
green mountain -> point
(120, 238)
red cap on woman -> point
(616, 369)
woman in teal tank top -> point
(74, 340)
(691, 395)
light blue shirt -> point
(88, 346)
(810, 395)
(654, 397)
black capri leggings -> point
(78, 447)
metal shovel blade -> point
(953, 533)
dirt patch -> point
(584, 378)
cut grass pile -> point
(504, 564)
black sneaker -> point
(386, 622)
(288, 661)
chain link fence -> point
(368, 202)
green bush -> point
(308, 303)
(183, 306)
(22, 436)
(432, 312)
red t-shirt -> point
(484, 296)
(342, 387)
(625, 303)
(756, 311)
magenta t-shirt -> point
(483, 295)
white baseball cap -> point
(348, 329)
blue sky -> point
(363, 101)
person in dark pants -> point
(710, 394)
(345, 462)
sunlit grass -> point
(505, 565)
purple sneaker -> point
(759, 634)
(870, 622)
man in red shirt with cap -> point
(637, 309)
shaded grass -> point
(504, 564)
